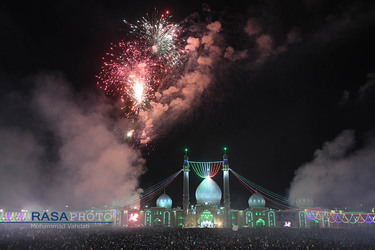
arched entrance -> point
(249, 219)
(148, 219)
(167, 219)
(206, 219)
(260, 223)
(157, 222)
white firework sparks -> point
(159, 36)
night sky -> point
(272, 116)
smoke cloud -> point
(265, 44)
(72, 157)
(364, 89)
(293, 36)
(185, 94)
(339, 176)
(253, 27)
(233, 55)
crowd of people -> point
(173, 238)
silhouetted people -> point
(173, 238)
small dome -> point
(164, 201)
(256, 200)
(208, 192)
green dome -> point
(208, 192)
(257, 200)
(164, 201)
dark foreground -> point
(162, 238)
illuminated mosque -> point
(213, 208)
(210, 212)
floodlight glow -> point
(133, 217)
(287, 224)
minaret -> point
(185, 196)
(227, 223)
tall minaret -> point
(185, 196)
(227, 223)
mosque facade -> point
(208, 213)
(212, 209)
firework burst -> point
(135, 68)
(159, 36)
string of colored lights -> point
(341, 217)
(154, 190)
(260, 190)
(160, 183)
(197, 169)
(270, 202)
(14, 216)
(271, 199)
(206, 169)
(257, 187)
(150, 197)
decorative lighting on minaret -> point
(227, 223)
(185, 195)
